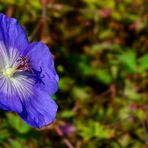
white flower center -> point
(9, 72)
(10, 62)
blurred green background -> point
(100, 49)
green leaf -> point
(130, 92)
(103, 76)
(116, 15)
(84, 68)
(66, 83)
(144, 63)
(67, 114)
(94, 129)
(129, 61)
(106, 34)
(4, 134)
(16, 144)
(17, 123)
(82, 93)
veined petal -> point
(23, 85)
(40, 57)
(14, 90)
(9, 100)
(8, 59)
(12, 34)
(39, 110)
(10, 103)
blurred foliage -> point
(100, 49)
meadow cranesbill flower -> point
(27, 75)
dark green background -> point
(100, 49)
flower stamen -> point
(24, 64)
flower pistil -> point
(9, 72)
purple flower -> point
(27, 75)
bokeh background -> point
(100, 48)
